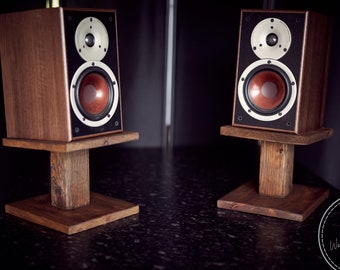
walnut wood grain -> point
(35, 84)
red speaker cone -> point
(266, 90)
(94, 94)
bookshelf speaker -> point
(60, 72)
(282, 70)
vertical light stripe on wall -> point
(170, 60)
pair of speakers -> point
(60, 71)
(282, 70)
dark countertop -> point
(178, 226)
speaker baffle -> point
(91, 39)
(271, 38)
(94, 94)
(267, 90)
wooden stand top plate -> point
(280, 137)
(94, 142)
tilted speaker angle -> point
(60, 71)
(282, 70)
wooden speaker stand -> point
(71, 207)
(275, 195)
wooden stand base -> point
(71, 207)
(275, 196)
(101, 210)
(297, 206)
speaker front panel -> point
(93, 72)
(268, 69)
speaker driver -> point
(94, 94)
(267, 90)
(271, 38)
(91, 39)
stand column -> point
(71, 207)
(276, 169)
(70, 179)
(275, 195)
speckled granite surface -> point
(178, 226)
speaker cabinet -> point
(282, 70)
(60, 72)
